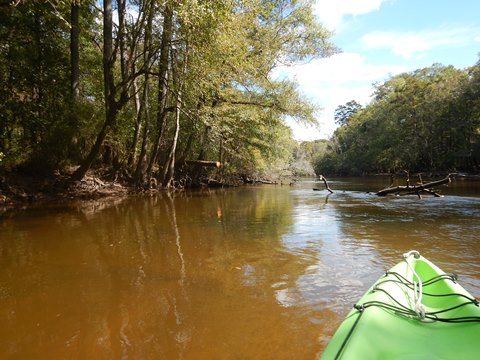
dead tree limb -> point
(321, 177)
(204, 163)
(415, 189)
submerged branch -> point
(321, 177)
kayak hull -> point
(391, 322)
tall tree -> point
(344, 112)
(74, 48)
(111, 89)
(142, 104)
(162, 83)
(178, 76)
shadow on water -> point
(254, 272)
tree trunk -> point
(111, 107)
(197, 170)
(169, 168)
(138, 104)
(192, 135)
(162, 84)
(206, 135)
(140, 168)
(189, 143)
(74, 50)
(121, 37)
(142, 105)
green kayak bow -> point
(414, 311)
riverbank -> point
(19, 187)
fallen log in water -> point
(415, 189)
(204, 163)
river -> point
(257, 272)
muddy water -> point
(250, 273)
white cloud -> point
(338, 69)
(415, 44)
(331, 12)
(334, 81)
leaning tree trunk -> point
(112, 106)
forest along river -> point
(247, 273)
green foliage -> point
(35, 101)
(228, 88)
(426, 120)
(220, 57)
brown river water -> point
(265, 272)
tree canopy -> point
(425, 120)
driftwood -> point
(321, 177)
(415, 189)
(204, 163)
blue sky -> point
(379, 39)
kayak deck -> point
(415, 311)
